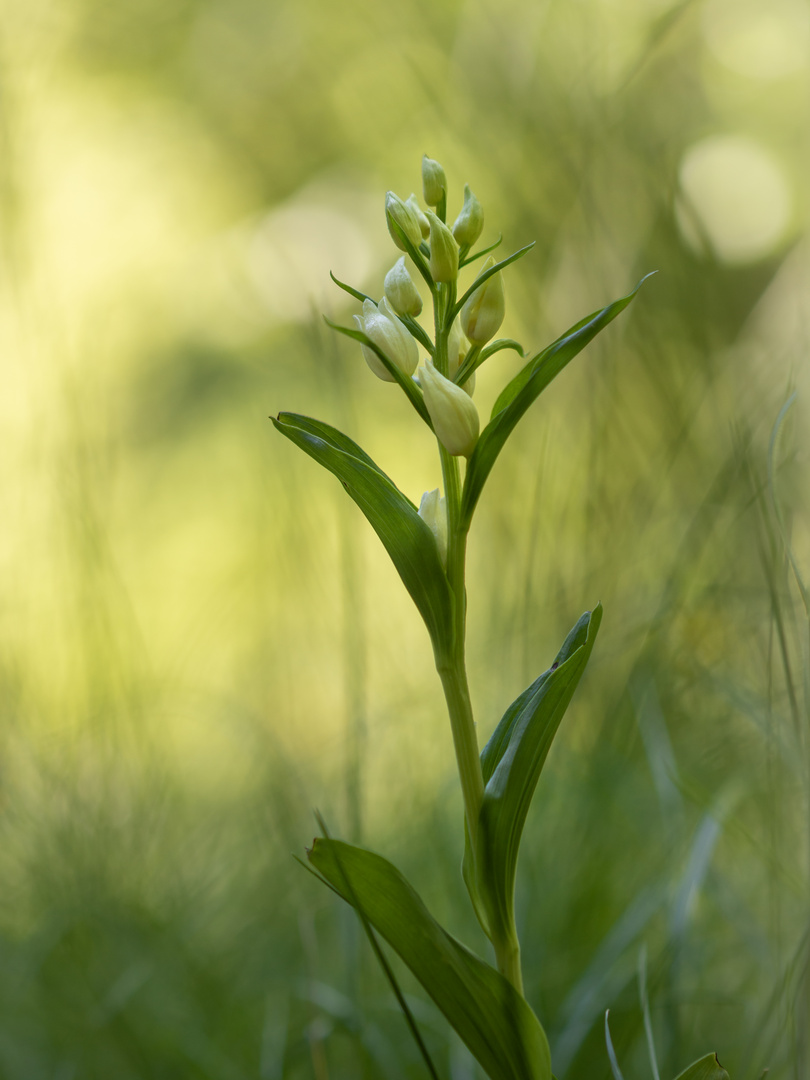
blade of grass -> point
(614, 1064)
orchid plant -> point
(485, 1003)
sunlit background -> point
(201, 640)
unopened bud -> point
(424, 224)
(433, 512)
(400, 291)
(470, 222)
(398, 211)
(434, 182)
(380, 324)
(482, 315)
(454, 416)
(443, 251)
(457, 346)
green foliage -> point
(512, 761)
(497, 786)
(487, 274)
(524, 389)
(706, 1068)
(406, 383)
(489, 1015)
(407, 539)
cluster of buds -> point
(390, 336)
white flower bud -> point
(399, 211)
(433, 512)
(457, 346)
(482, 315)
(400, 291)
(434, 182)
(424, 224)
(470, 222)
(454, 416)
(443, 251)
(381, 325)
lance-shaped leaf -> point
(467, 259)
(407, 539)
(412, 391)
(489, 1015)
(511, 762)
(361, 296)
(524, 389)
(486, 275)
(705, 1068)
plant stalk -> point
(452, 667)
(507, 957)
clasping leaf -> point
(491, 1017)
(395, 519)
(511, 763)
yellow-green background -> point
(201, 639)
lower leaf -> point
(497, 1025)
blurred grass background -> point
(201, 640)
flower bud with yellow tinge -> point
(424, 224)
(400, 291)
(434, 182)
(443, 251)
(380, 324)
(452, 412)
(483, 313)
(398, 211)
(433, 512)
(470, 222)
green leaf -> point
(490, 1016)
(361, 296)
(479, 254)
(705, 1068)
(486, 275)
(412, 391)
(511, 762)
(522, 391)
(407, 539)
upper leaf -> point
(491, 1017)
(407, 539)
(526, 386)
(412, 391)
(511, 763)
(705, 1068)
(485, 275)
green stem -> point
(451, 665)
(453, 669)
(507, 957)
(465, 742)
